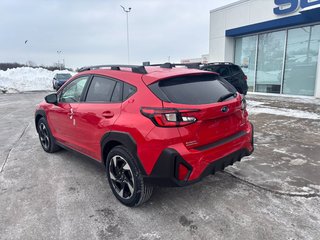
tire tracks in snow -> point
(287, 194)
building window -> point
(245, 57)
(270, 62)
(301, 60)
(282, 62)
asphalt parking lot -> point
(273, 194)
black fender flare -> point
(124, 139)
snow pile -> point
(27, 79)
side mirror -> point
(52, 98)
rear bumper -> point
(165, 171)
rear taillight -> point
(245, 77)
(169, 117)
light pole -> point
(27, 62)
(127, 13)
(59, 52)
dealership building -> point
(276, 43)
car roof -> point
(154, 73)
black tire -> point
(125, 179)
(47, 141)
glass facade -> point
(270, 61)
(301, 60)
(281, 61)
(245, 56)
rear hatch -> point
(209, 107)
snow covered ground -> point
(26, 79)
(256, 107)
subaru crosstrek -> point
(150, 126)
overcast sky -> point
(94, 31)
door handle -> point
(108, 114)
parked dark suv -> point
(59, 79)
(231, 72)
(155, 125)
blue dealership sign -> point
(290, 6)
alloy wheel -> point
(44, 136)
(121, 177)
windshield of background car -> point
(193, 90)
(63, 76)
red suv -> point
(156, 125)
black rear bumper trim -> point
(164, 172)
(221, 141)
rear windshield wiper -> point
(224, 97)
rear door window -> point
(100, 89)
(200, 89)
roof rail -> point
(172, 65)
(134, 68)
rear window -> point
(212, 68)
(222, 70)
(235, 69)
(200, 89)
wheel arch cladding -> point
(38, 115)
(113, 139)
